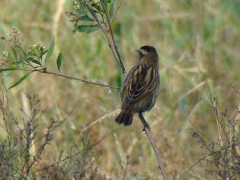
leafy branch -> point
(99, 15)
(33, 59)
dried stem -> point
(78, 79)
(113, 38)
(60, 8)
(69, 77)
(78, 152)
(147, 130)
(203, 158)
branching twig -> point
(103, 28)
(69, 77)
(107, 30)
(116, 10)
(78, 79)
(113, 38)
(200, 160)
(77, 153)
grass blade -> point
(50, 50)
(8, 69)
(20, 80)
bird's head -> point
(146, 50)
(148, 53)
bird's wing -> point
(139, 81)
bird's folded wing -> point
(140, 81)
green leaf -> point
(86, 28)
(50, 50)
(107, 1)
(110, 10)
(8, 69)
(82, 11)
(115, 7)
(86, 18)
(44, 52)
(34, 61)
(89, 14)
(20, 80)
(98, 7)
(59, 61)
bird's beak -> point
(137, 50)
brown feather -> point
(141, 86)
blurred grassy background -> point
(198, 43)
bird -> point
(141, 87)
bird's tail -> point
(124, 118)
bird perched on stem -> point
(141, 87)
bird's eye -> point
(143, 51)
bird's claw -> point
(146, 126)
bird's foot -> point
(144, 122)
(146, 126)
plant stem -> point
(78, 79)
(69, 77)
(113, 38)
(147, 130)
(107, 30)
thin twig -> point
(204, 157)
(154, 146)
(69, 77)
(157, 153)
(103, 28)
(78, 79)
(110, 37)
(113, 38)
(116, 10)
(237, 91)
(114, 113)
(77, 153)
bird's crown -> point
(144, 50)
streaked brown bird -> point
(141, 87)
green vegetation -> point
(60, 128)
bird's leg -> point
(145, 124)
